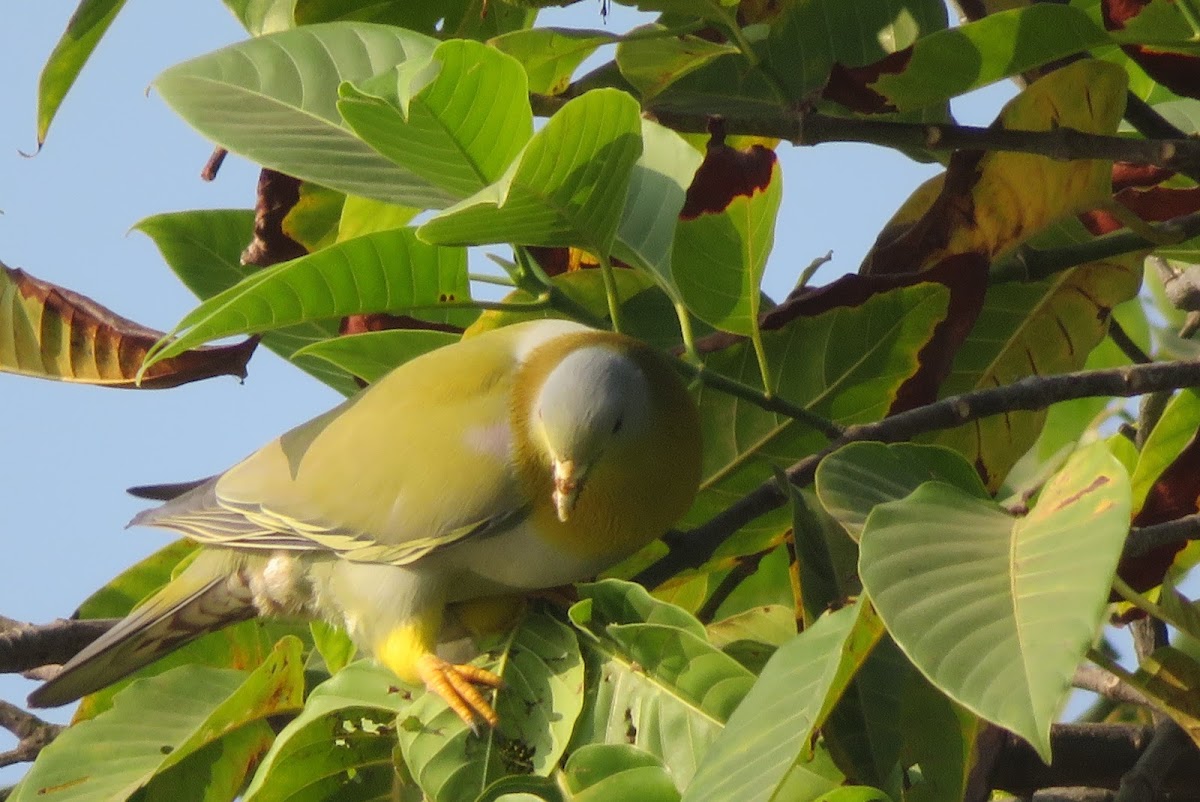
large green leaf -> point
(157, 723)
(388, 271)
(719, 259)
(654, 679)
(203, 249)
(551, 55)
(1031, 328)
(567, 187)
(340, 746)
(653, 62)
(87, 26)
(854, 479)
(771, 729)
(602, 772)
(657, 191)
(538, 707)
(456, 118)
(997, 611)
(274, 101)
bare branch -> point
(1143, 782)
(25, 646)
(691, 549)
(1095, 679)
(33, 734)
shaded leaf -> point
(371, 355)
(652, 63)
(50, 332)
(599, 772)
(388, 271)
(455, 118)
(978, 600)
(340, 746)
(84, 30)
(566, 188)
(244, 95)
(156, 723)
(771, 728)
(551, 55)
(654, 680)
(1171, 678)
(857, 477)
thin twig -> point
(693, 548)
(1117, 333)
(1093, 678)
(33, 734)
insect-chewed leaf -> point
(991, 202)
(997, 611)
(50, 332)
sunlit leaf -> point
(247, 96)
(978, 599)
(551, 55)
(369, 356)
(157, 723)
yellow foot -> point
(456, 684)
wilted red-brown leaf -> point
(53, 333)
(851, 86)
(1179, 72)
(382, 321)
(276, 195)
(1138, 190)
(726, 173)
(1176, 493)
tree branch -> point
(807, 128)
(26, 646)
(1091, 755)
(1145, 779)
(33, 734)
(1093, 678)
(691, 549)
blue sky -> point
(117, 154)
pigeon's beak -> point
(568, 481)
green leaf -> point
(340, 746)
(940, 738)
(538, 708)
(85, 29)
(202, 248)
(603, 772)
(772, 624)
(954, 61)
(455, 119)
(719, 259)
(274, 101)
(980, 601)
(652, 63)
(771, 729)
(371, 355)
(566, 189)
(654, 679)
(657, 191)
(551, 55)
(156, 723)
(854, 479)
(389, 271)
(1170, 435)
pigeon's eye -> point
(618, 424)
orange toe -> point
(456, 685)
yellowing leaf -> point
(991, 202)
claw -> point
(456, 685)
